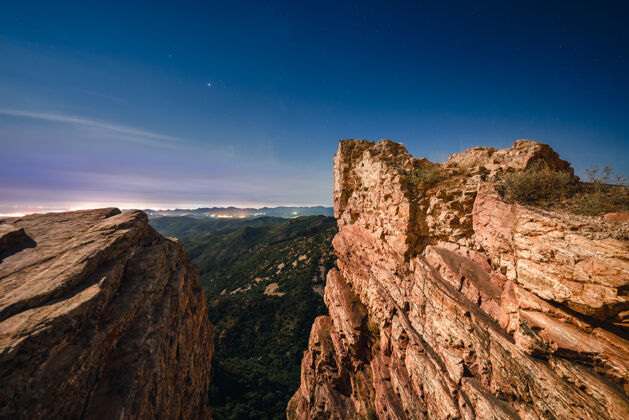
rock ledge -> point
(100, 317)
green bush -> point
(536, 184)
(591, 203)
(596, 199)
(427, 176)
(371, 414)
(598, 196)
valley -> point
(264, 280)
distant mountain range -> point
(243, 213)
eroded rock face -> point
(451, 303)
(100, 317)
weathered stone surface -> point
(452, 303)
(616, 217)
(101, 317)
(567, 259)
(522, 155)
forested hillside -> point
(264, 281)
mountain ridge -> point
(238, 212)
(452, 302)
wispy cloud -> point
(71, 119)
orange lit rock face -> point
(452, 303)
(100, 317)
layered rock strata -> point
(451, 303)
(100, 317)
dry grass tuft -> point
(559, 190)
(536, 184)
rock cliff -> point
(452, 303)
(100, 317)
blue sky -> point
(108, 103)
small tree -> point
(601, 196)
(599, 177)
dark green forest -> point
(263, 280)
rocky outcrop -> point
(451, 303)
(100, 317)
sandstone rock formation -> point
(451, 303)
(100, 317)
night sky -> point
(192, 104)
